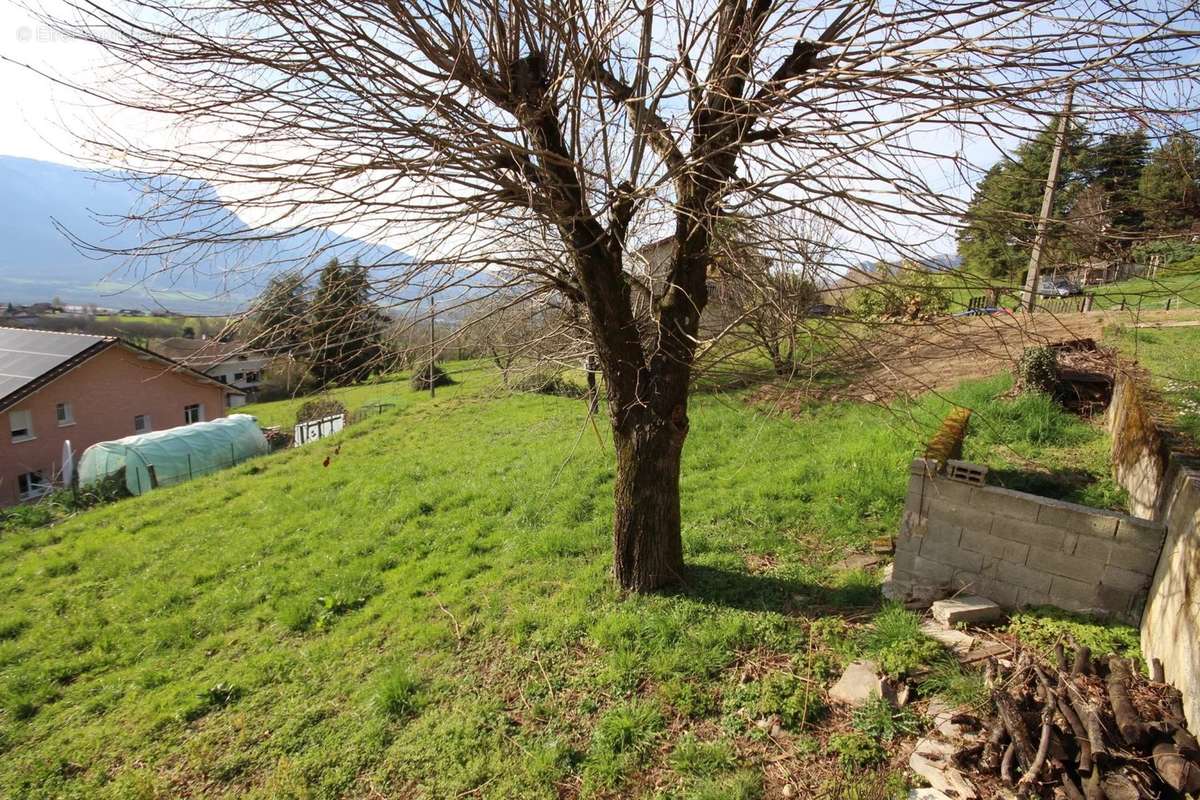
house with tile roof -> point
(59, 387)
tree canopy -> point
(469, 128)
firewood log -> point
(1131, 726)
(1083, 658)
(1176, 771)
(994, 747)
(1015, 726)
(1039, 758)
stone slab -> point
(857, 561)
(970, 609)
(961, 643)
(858, 684)
(931, 761)
(927, 793)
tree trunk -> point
(647, 545)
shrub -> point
(784, 694)
(1037, 369)
(914, 294)
(547, 382)
(879, 720)
(895, 641)
(285, 378)
(421, 379)
(318, 408)
(856, 750)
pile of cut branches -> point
(1084, 728)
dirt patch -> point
(896, 361)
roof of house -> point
(200, 353)
(30, 359)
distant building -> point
(231, 363)
(56, 387)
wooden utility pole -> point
(1029, 296)
(432, 317)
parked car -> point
(1057, 287)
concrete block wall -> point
(1139, 454)
(1020, 549)
(1170, 629)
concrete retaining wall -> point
(1139, 454)
(1020, 549)
(1171, 623)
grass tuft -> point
(399, 693)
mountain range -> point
(38, 260)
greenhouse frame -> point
(175, 455)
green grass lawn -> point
(388, 389)
(1172, 355)
(431, 614)
(1180, 285)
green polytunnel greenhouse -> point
(175, 455)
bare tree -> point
(601, 126)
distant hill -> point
(38, 262)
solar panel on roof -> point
(26, 355)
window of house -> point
(141, 423)
(193, 413)
(20, 424)
(251, 377)
(222, 378)
(64, 414)
(31, 484)
(237, 376)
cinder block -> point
(1125, 579)
(1003, 593)
(966, 472)
(913, 523)
(922, 466)
(904, 560)
(1147, 536)
(1069, 542)
(942, 532)
(1116, 601)
(1133, 558)
(1088, 549)
(1072, 594)
(1102, 526)
(1005, 502)
(929, 571)
(947, 553)
(971, 609)
(1059, 563)
(1030, 533)
(1029, 597)
(982, 542)
(1023, 576)
(963, 516)
(990, 545)
(953, 491)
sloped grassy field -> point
(430, 615)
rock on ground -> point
(858, 683)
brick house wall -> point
(105, 393)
